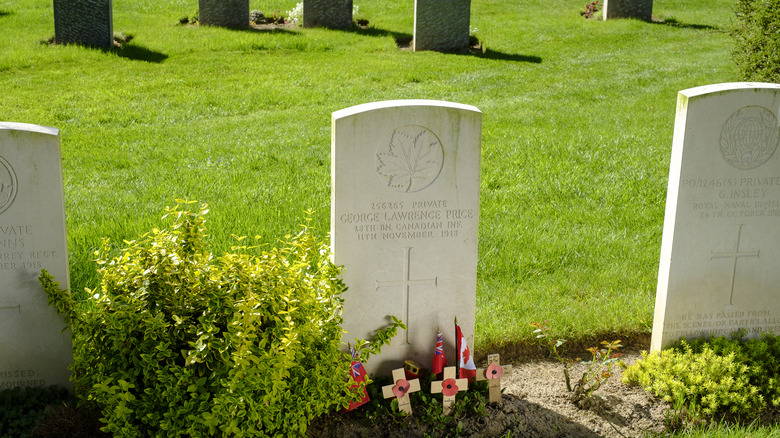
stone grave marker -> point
(720, 253)
(404, 219)
(224, 13)
(34, 350)
(640, 9)
(334, 14)
(441, 25)
(87, 22)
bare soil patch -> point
(535, 403)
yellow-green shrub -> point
(703, 380)
(178, 342)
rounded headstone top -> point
(28, 127)
(346, 112)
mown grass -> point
(578, 122)
(722, 430)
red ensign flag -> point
(439, 361)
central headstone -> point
(334, 14)
(720, 253)
(441, 25)
(34, 350)
(87, 22)
(404, 221)
(639, 9)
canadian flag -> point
(358, 375)
(466, 363)
(439, 361)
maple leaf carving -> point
(412, 160)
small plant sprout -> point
(542, 331)
(599, 369)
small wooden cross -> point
(450, 387)
(401, 389)
(493, 374)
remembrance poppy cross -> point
(450, 387)
(400, 389)
(493, 374)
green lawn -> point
(578, 123)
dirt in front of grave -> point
(535, 403)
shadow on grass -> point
(501, 56)
(264, 28)
(673, 22)
(404, 42)
(138, 53)
(525, 351)
(121, 48)
(4, 13)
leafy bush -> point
(178, 342)
(757, 38)
(714, 375)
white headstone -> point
(34, 350)
(441, 25)
(720, 253)
(404, 220)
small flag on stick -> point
(439, 361)
(467, 369)
(359, 376)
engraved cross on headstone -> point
(406, 282)
(17, 308)
(735, 254)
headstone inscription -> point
(441, 25)
(404, 219)
(720, 252)
(34, 350)
(224, 13)
(334, 14)
(87, 22)
(639, 9)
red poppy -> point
(449, 387)
(494, 371)
(401, 388)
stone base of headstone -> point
(224, 13)
(333, 14)
(441, 25)
(639, 9)
(87, 22)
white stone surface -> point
(404, 222)
(720, 253)
(34, 350)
